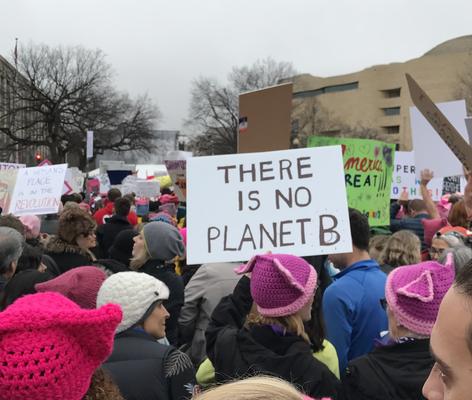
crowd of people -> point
(99, 303)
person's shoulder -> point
(137, 347)
(176, 362)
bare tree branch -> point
(60, 93)
(214, 113)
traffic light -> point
(38, 157)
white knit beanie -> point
(134, 292)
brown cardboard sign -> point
(440, 123)
(265, 119)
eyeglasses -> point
(435, 250)
(455, 234)
(383, 303)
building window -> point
(391, 93)
(328, 89)
(391, 111)
(331, 132)
(392, 129)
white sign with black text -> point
(291, 201)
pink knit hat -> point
(50, 347)
(81, 285)
(414, 293)
(281, 284)
(169, 198)
(32, 224)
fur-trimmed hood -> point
(59, 246)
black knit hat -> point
(122, 247)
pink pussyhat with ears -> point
(414, 293)
(281, 284)
(50, 347)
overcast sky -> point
(159, 47)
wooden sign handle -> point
(440, 123)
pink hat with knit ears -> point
(50, 347)
(281, 284)
(414, 293)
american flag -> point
(242, 124)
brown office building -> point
(377, 97)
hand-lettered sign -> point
(404, 178)
(368, 166)
(38, 190)
(291, 201)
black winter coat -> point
(67, 256)
(107, 233)
(236, 351)
(144, 369)
(166, 274)
(390, 372)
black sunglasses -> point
(383, 303)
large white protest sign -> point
(291, 201)
(430, 150)
(404, 178)
(38, 190)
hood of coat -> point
(395, 371)
(261, 345)
(59, 246)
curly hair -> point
(74, 222)
(102, 387)
(376, 245)
(402, 248)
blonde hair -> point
(402, 248)
(290, 323)
(256, 388)
(139, 259)
(376, 245)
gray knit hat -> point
(163, 241)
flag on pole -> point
(242, 124)
(15, 53)
(89, 144)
